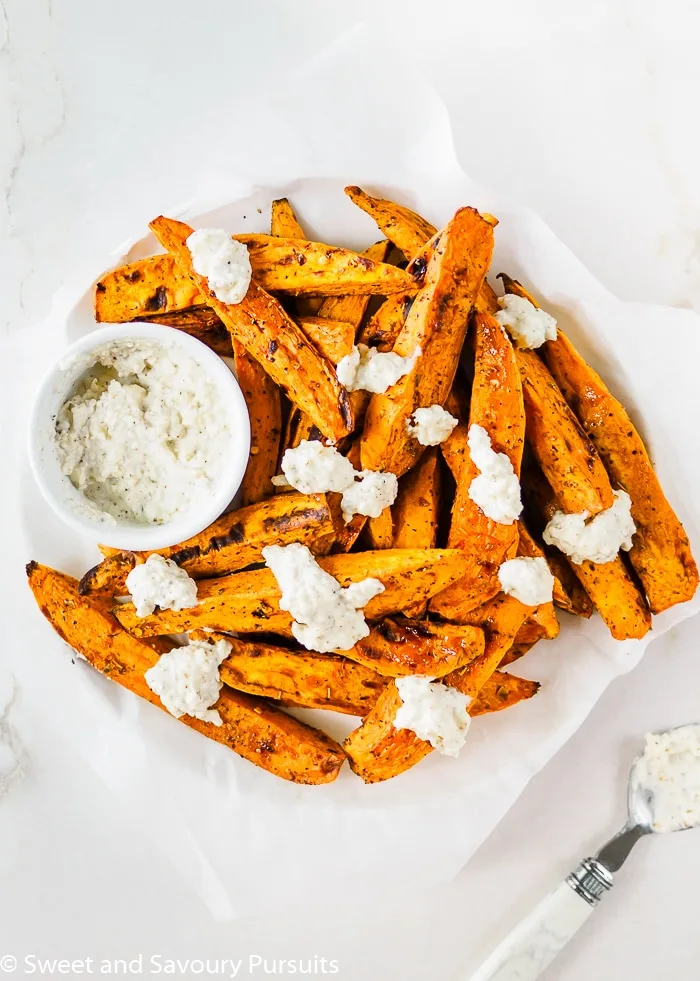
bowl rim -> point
(130, 537)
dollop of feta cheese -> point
(186, 679)
(598, 539)
(496, 490)
(434, 712)
(326, 616)
(223, 261)
(160, 582)
(527, 579)
(313, 468)
(370, 493)
(143, 436)
(528, 326)
(368, 369)
(431, 426)
(668, 774)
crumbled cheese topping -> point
(143, 437)
(527, 579)
(431, 426)
(434, 712)
(598, 539)
(668, 773)
(368, 369)
(313, 468)
(326, 616)
(160, 582)
(186, 679)
(370, 493)
(223, 261)
(528, 326)
(496, 490)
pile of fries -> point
(442, 613)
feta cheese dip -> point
(313, 468)
(433, 712)
(598, 539)
(142, 435)
(668, 775)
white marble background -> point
(587, 113)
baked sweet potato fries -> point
(442, 614)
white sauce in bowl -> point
(142, 436)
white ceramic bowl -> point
(68, 502)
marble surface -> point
(585, 115)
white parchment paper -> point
(243, 839)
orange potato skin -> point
(264, 402)
(454, 269)
(497, 406)
(271, 337)
(251, 727)
(248, 602)
(660, 554)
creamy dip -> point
(143, 436)
(327, 617)
(313, 468)
(668, 774)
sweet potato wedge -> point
(417, 504)
(533, 629)
(516, 651)
(283, 221)
(333, 338)
(144, 288)
(417, 509)
(403, 227)
(232, 542)
(455, 449)
(379, 532)
(300, 428)
(616, 597)
(501, 619)
(284, 224)
(571, 597)
(455, 267)
(251, 727)
(248, 602)
(352, 308)
(199, 322)
(566, 455)
(400, 647)
(376, 750)
(273, 339)
(501, 691)
(106, 580)
(297, 266)
(611, 588)
(299, 677)
(347, 534)
(660, 554)
(530, 548)
(346, 314)
(384, 326)
(289, 265)
(264, 403)
(496, 406)
(544, 616)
